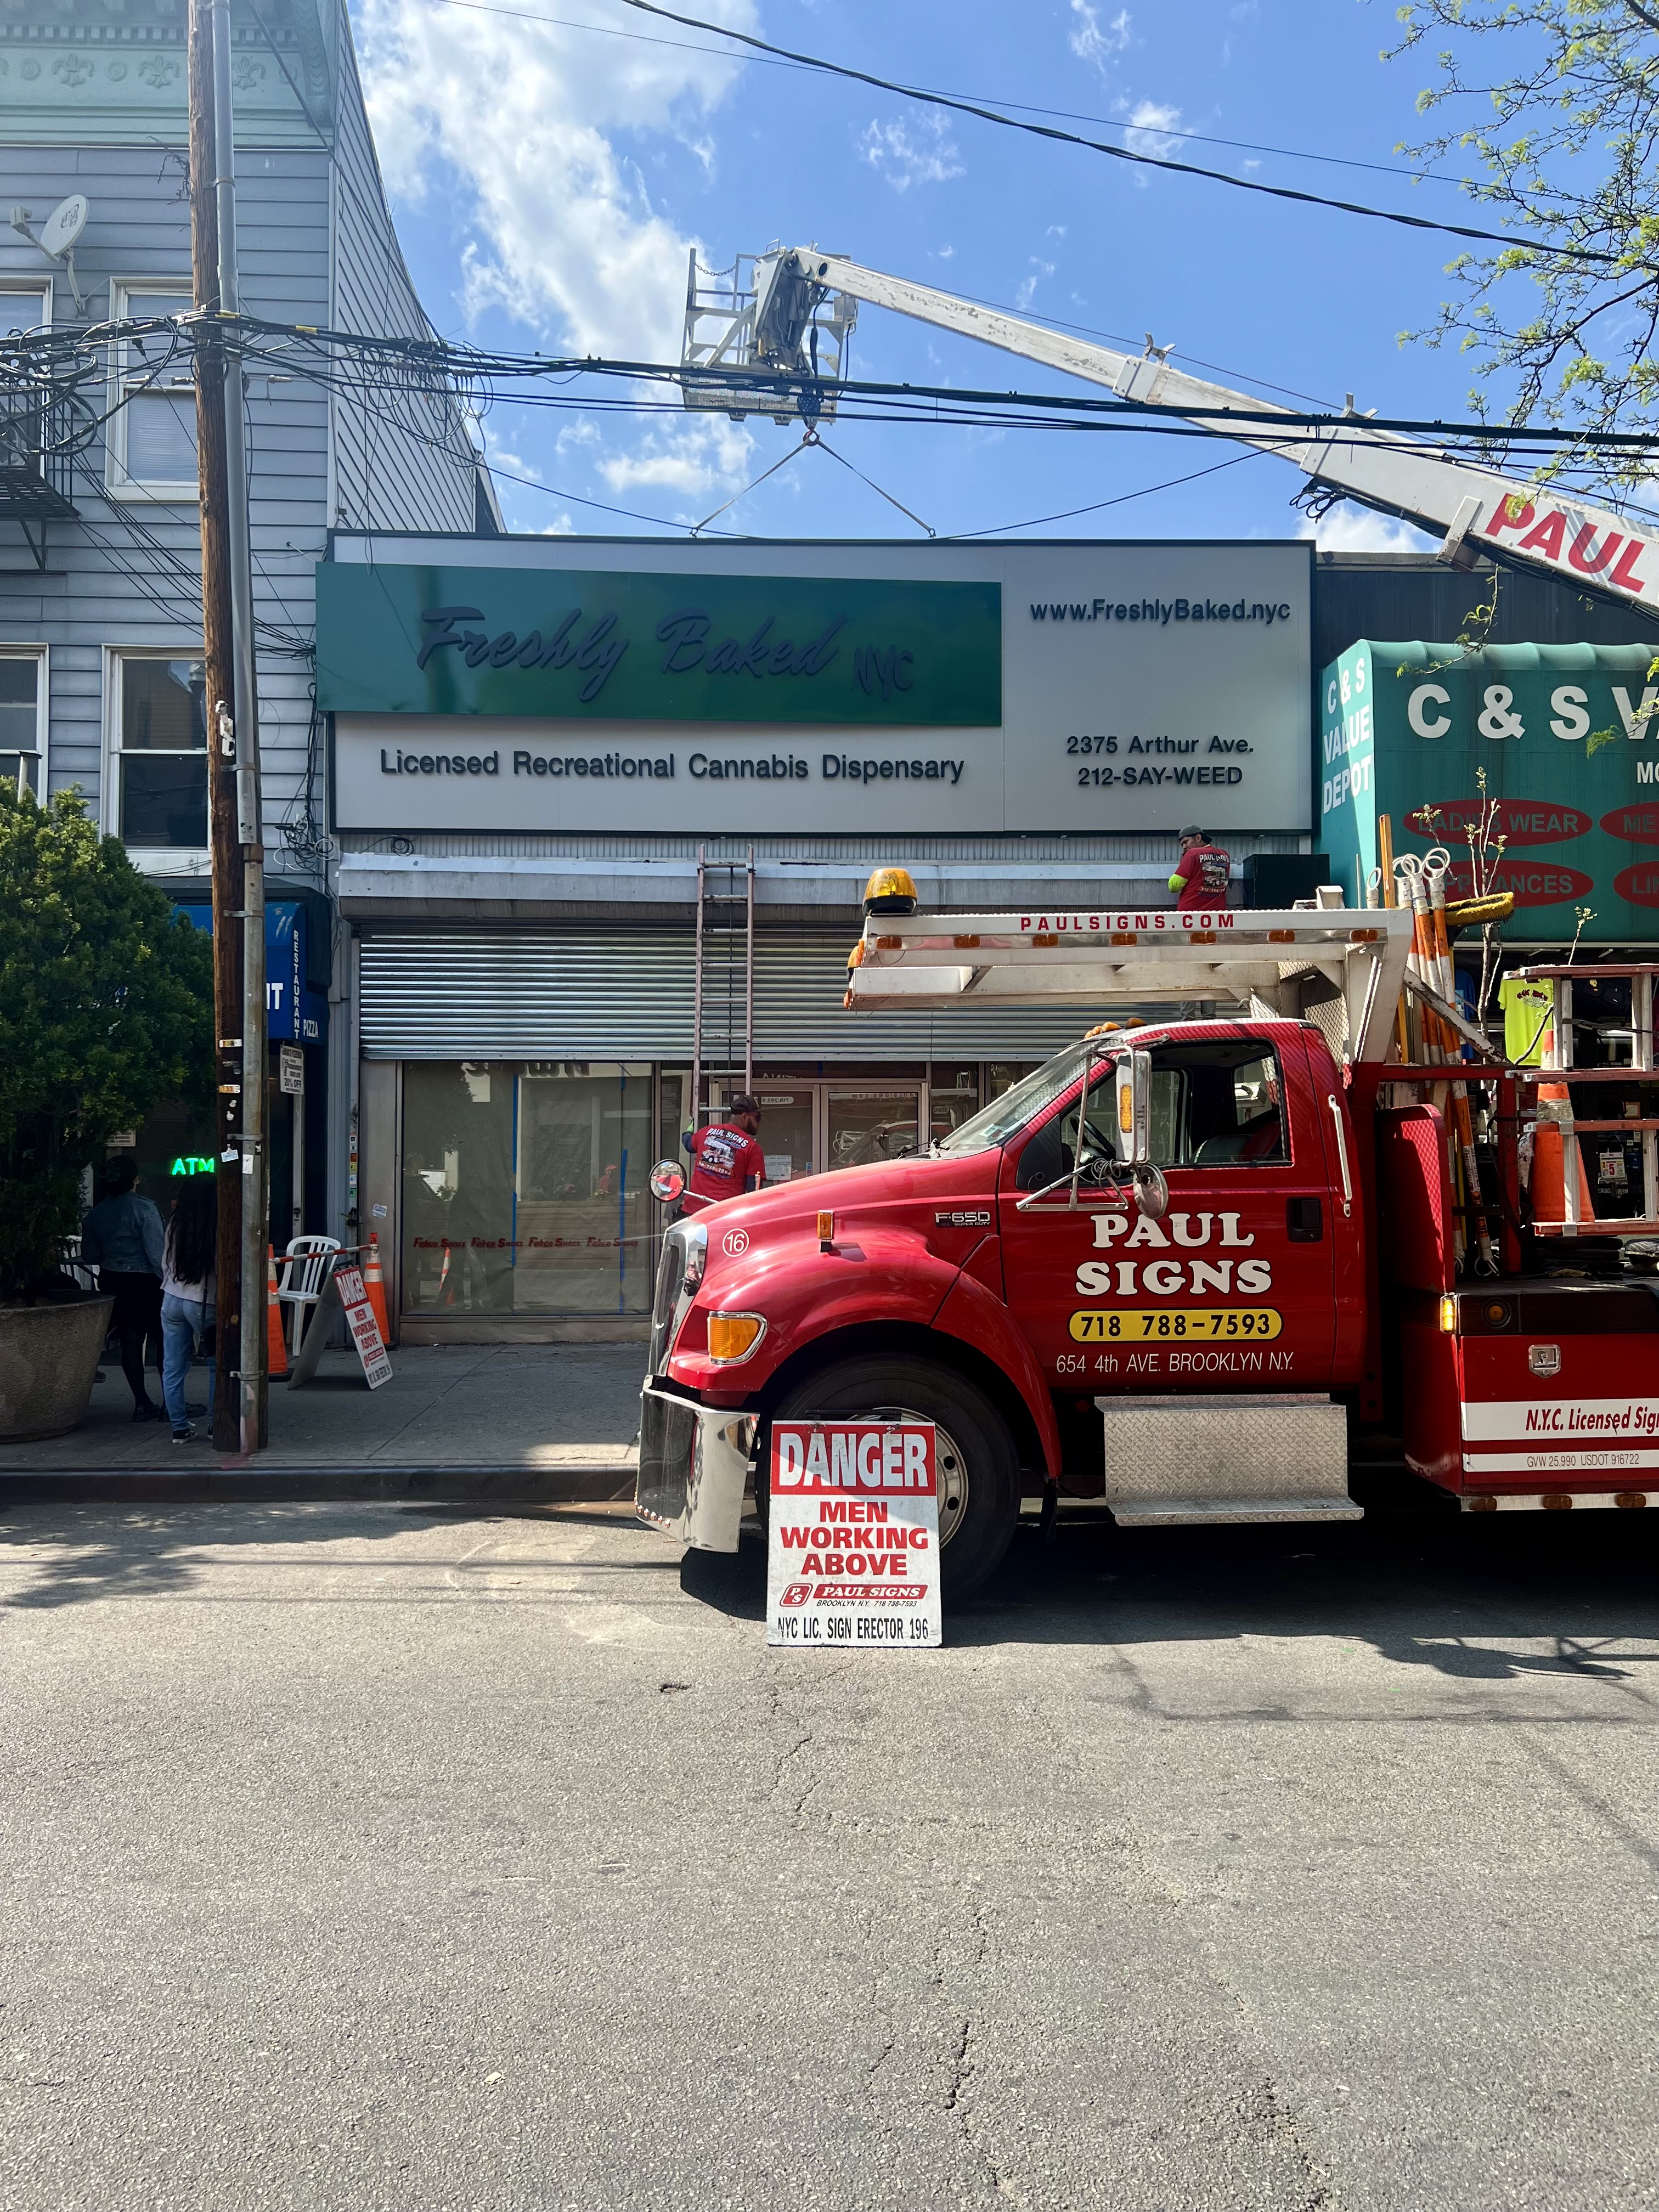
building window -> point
(152, 431)
(160, 761)
(25, 307)
(524, 1188)
(23, 721)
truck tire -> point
(978, 1516)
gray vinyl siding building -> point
(100, 609)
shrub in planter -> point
(106, 1007)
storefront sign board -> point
(1568, 738)
(1030, 687)
(853, 1536)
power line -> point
(1509, 239)
(1025, 107)
(1037, 521)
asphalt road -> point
(383, 1856)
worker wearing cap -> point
(726, 1158)
(1202, 873)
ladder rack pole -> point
(696, 1000)
(749, 985)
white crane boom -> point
(1470, 509)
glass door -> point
(870, 1121)
(788, 1130)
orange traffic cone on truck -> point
(1549, 1183)
(276, 1342)
(374, 1284)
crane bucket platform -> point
(1341, 968)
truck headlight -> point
(733, 1336)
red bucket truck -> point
(1192, 1270)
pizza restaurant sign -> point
(1568, 739)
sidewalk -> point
(549, 1421)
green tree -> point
(1557, 101)
(106, 1006)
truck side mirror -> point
(1134, 1071)
(667, 1181)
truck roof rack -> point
(1341, 967)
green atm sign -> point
(1569, 739)
(617, 646)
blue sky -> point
(547, 180)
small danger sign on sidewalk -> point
(852, 1536)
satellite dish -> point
(64, 226)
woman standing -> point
(187, 1295)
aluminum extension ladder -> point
(723, 986)
(1559, 1065)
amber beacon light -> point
(889, 890)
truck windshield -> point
(1004, 1118)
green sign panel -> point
(596, 644)
(1569, 738)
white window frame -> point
(126, 298)
(148, 859)
(41, 655)
(31, 287)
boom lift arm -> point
(781, 325)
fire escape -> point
(36, 432)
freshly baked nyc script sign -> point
(852, 1536)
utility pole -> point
(240, 1408)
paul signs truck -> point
(1191, 1270)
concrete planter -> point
(48, 1358)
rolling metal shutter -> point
(627, 995)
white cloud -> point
(1349, 529)
(906, 155)
(1154, 128)
(566, 239)
(1092, 40)
(695, 458)
(1027, 290)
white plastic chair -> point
(302, 1276)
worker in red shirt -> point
(1202, 873)
(726, 1159)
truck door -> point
(1234, 1286)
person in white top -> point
(187, 1297)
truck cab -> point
(1013, 1277)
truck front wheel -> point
(978, 1466)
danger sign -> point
(365, 1329)
(852, 1536)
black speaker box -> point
(1279, 879)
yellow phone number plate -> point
(1177, 1324)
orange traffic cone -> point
(1549, 1193)
(374, 1284)
(276, 1343)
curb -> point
(230, 1484)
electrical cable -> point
(1036, 522)
(1025, 107)
(1507, 238)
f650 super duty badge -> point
(970, 1217)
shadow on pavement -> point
(152, 1553)
(1471, 1592)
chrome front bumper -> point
(694, 1468)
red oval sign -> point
(1635, 824)
(1519, 821)
(1534, 882)
(1639, 884)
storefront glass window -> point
(524, 1188)
(877, 1122)
(953, 1096)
